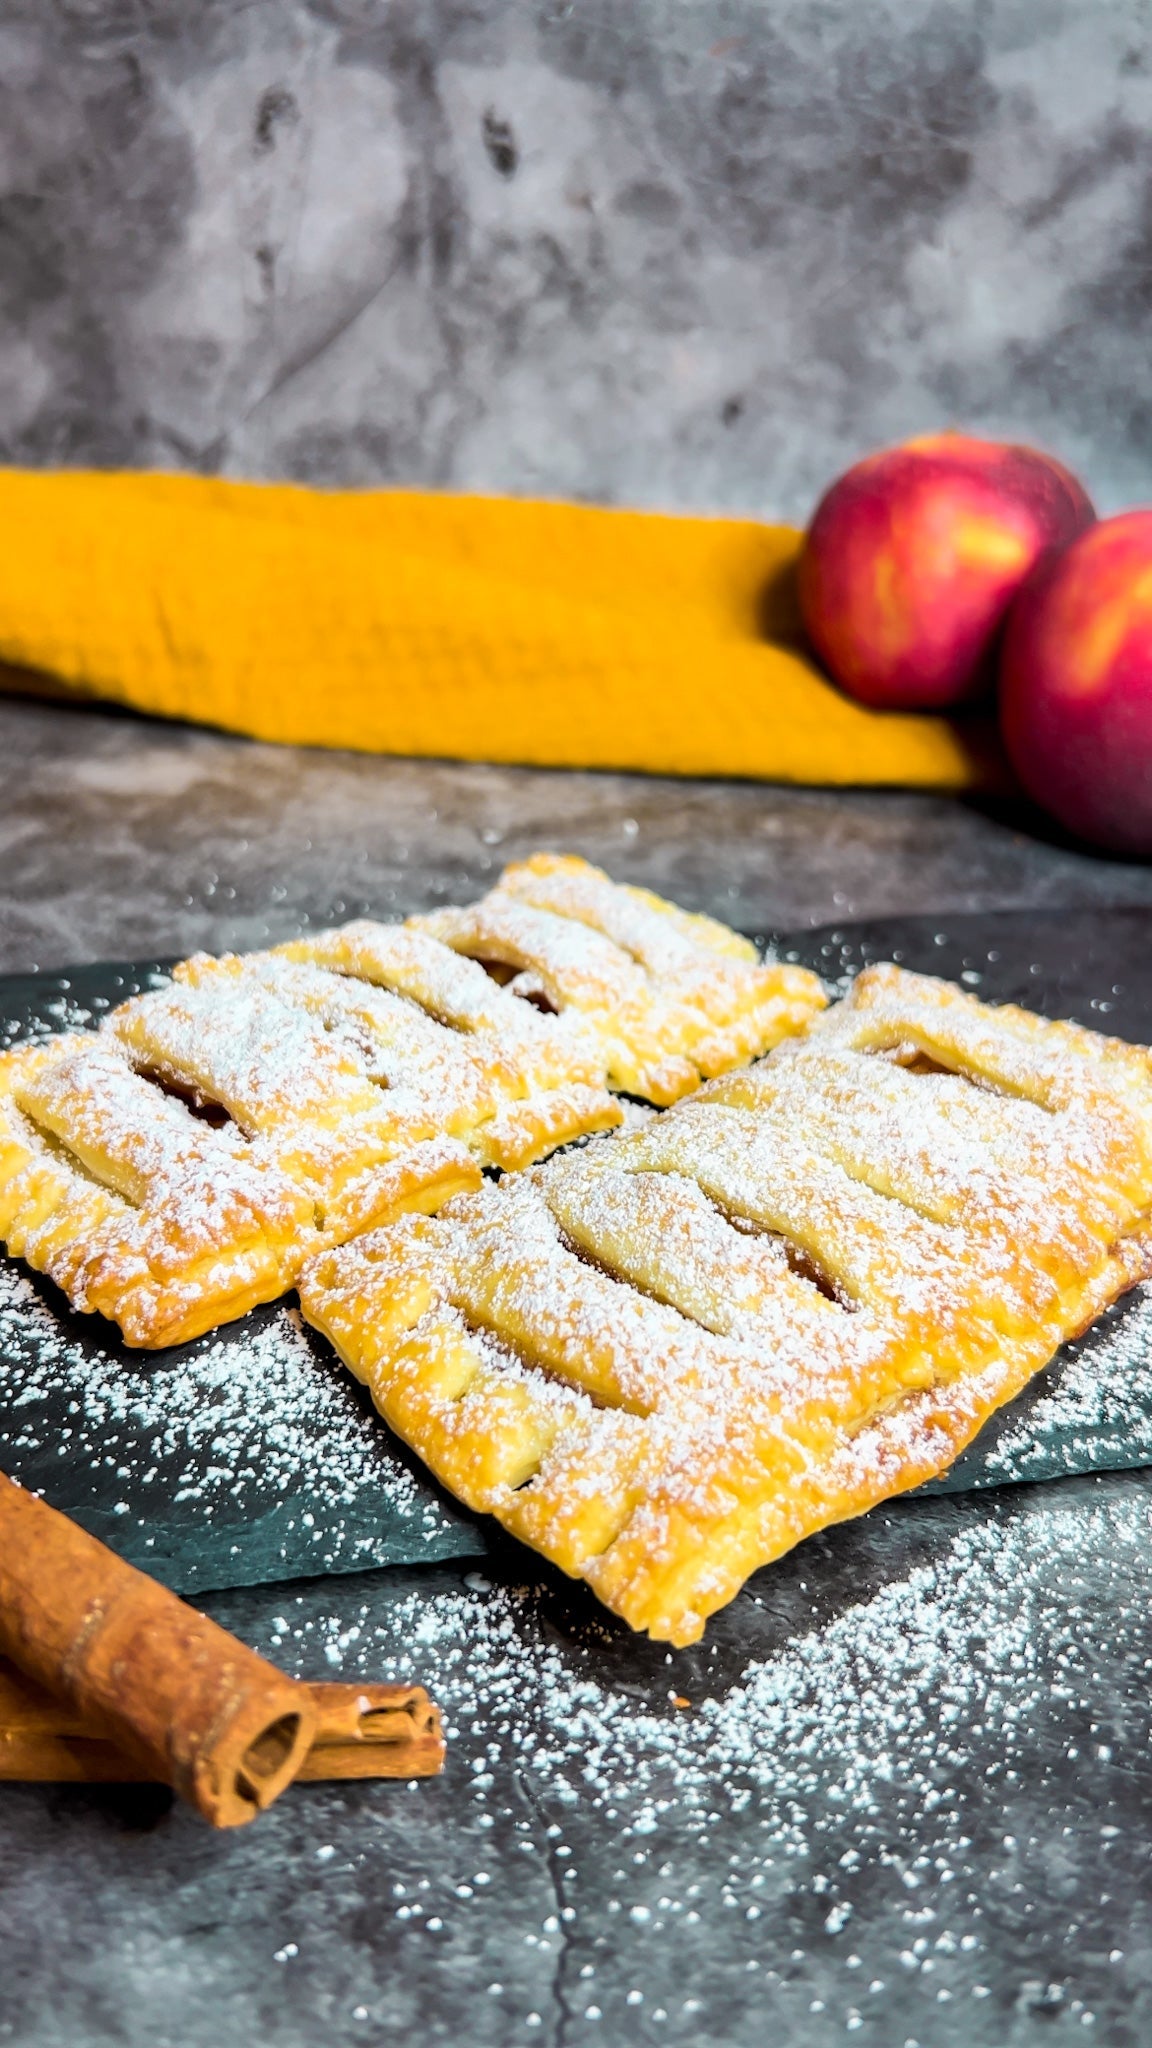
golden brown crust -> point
(667, 1359)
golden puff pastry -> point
(666, 1359)
(178, 1167)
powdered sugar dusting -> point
(672, 997)
(246, 1456)
(327, 1073)
(813, 1713)
(721, 1833)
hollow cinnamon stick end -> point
(268, 1743)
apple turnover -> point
(664, 1360)
(177, 1167)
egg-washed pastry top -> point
(665, 1359)
(176, 1167)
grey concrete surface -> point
(908, 1806)
(124, 837)
(676, 252)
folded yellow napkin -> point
(407, 622)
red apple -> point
(1076, 684)
(914, 556)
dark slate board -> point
(250, 1457)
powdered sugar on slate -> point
(246, 1456)
(847, 1703)
(1091, 1412)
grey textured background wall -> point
(676, 252)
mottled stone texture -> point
(674, 252)
(125, 838)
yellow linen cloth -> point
(411, 622)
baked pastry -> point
(672, 998)
(177, 1167)
(664, 1360)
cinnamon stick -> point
(178, 1696)
(362, 1731)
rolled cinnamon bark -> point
(177, 1695)
(362, 1731)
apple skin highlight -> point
(914, 556)
(1076, 685)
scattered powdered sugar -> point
(57, 1014)
(247, 1455)
(907, 1771)
(49, 1004)
(841, 1709)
